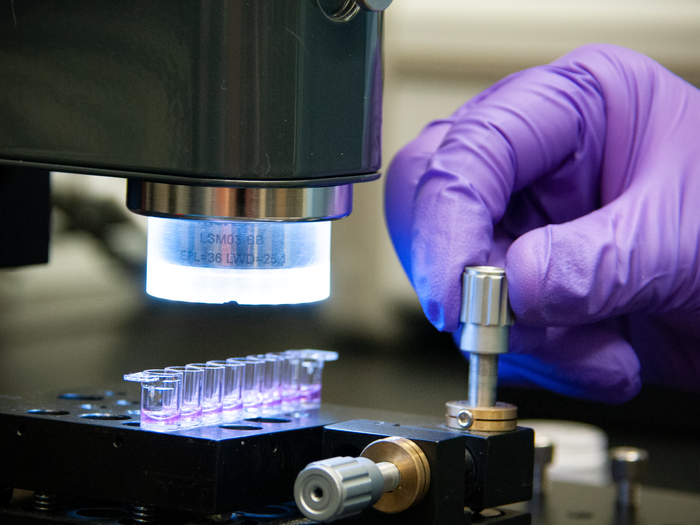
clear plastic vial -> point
(206, 261)
(161, 399)
(231, 388)
(191, 406)
(212, 391)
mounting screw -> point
(465, 419)
(629, 468)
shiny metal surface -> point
(337, 488)
(483, 375)
(269, 204)
(486, 318)
(485, 313)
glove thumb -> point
(621, 258)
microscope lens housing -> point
(240, 126)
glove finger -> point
(591, 361)
(547, 121)
(402, 176)
(622, 258)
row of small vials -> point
(215, 392)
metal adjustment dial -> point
(340, 487)
(392, 474)
(486, 318)
(485, 313)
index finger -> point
(547, 121)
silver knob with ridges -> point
(486, 318)
(486, 313)
(340, 487)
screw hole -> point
(81, 397)
(105, 417)
(47, 412)
(240, 427)
(317, 494)
(269, 420)
(21, 430)
(118, 441)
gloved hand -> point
(582, 177)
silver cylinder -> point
(390, 474)
(182, 201)
(483, 375)
(486, 313)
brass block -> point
(413, 468)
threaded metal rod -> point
(483, 378)
(143, 514)
(45, 502)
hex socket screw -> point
(544, 454)
(629, 468)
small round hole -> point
(269, 420)
(21, 430)
(317, 494)
(47, 412)
(81, 397)
(240, 427)
(105, 416)
(118, 441)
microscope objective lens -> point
(206, 261)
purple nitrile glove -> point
(582, 177)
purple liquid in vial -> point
(192, 415)
(160, 418)
(310, 395)
(233, 411)
(212, 412)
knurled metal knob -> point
(392, 474)
(486, 313)
(339, 487)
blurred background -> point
(84, 320)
